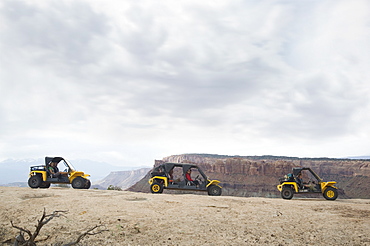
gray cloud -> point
(105, 75)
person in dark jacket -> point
(300, 180)
(301, 184)
(54, 170)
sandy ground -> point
(175, 219)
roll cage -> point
(165, 169)
(66, 163)
(297, 170)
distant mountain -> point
(16, 184)
(122, 179)
(364, 157)
(17, 170)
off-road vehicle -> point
(40, 176)
(291, 184)
(173, 176)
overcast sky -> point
(128, 82)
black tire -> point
(34, 181)
(79, 183)
(214, 190)
(156, 188)
(287, 193)
(44, 185)
(330, 193)
(88, 184)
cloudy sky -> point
(128, 82)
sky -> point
(128, 82)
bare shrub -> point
(112, 187)
(30, 239)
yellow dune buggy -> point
(292, 184)
(40, 176)
(181, 176)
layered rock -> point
(258, 175)
(122, 179)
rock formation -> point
(122, 179)
(259, 175)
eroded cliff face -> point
(259, 175)
(122, 179)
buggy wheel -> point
(34, 181)
(88, 184)
(45, 185)
(156, 188)
(330, 193)
(78, 183)
(287, 193)
(214, 190)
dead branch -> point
(40, 223)
(21, 241)
(88, 232)
(21, 238)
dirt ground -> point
(130, 218)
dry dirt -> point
(178, 219)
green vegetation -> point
(112, 187)
(62, 185)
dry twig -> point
(88, 232)
(31, 241)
